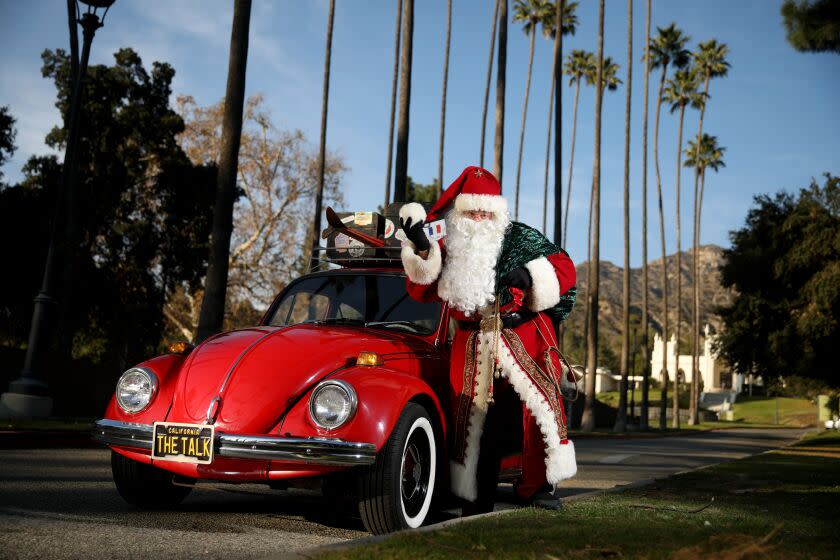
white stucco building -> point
(710, 367)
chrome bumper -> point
(313, 451)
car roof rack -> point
(385, 257)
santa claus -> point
(506, 286)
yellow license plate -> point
(187, 443)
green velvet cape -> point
(521, 245)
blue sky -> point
(776, 113)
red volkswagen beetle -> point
(345, 374)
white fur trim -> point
(413, 210)
(560, 461)
(564, 458)
(545, 291)
(419, 270)
(463, 478)
(487, 202)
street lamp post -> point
(28, 396)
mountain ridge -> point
(712, 295)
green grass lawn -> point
(792, 412)
(782, 504)
(611, 398)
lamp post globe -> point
(28, 395)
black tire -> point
(396, 491)
(146, 486)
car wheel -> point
(396, 491)
(146, 486)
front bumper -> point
(312, 451)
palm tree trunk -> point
(559, 239)
(212, 313)
(588, 421)
(499, 143)
(322, 152)
(401, 163)
(588, 260)
(557, 90)
(522, 127)
(663, 395)
(443, 96)
(393, 102)
(694, 416)
(621, 418)
(571, 160)
(487, 85)
(693, 413)
(697, 279)
(547, 157)
(675, 421)
(646, 369)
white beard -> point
(468, 278)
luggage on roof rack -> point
(369, 239)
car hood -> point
(260, 372)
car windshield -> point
(372, 300)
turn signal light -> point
(368, 359)
(180, 348)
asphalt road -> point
(61, 503)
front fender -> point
(382, 395)
(166, 369)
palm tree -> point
(579, 65)
(588, 420)
(665, 49)
(532, 13)
(487, 86)
(212, 312)
(702, 155)
(393, 103)
(401, 163)
(680, 92)
(706, 155)
(443, 96)
(322, 153)
(710, 62)
(643, 423)
(610, 82)
(499, 141)
(565, 13)
(621, 417)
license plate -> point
(186, 443)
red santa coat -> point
(519, 355)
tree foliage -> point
(812, 26)
(144, 212)
(785, 267)
(277, 180)
(7, 137)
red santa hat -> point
(475, 189)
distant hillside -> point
(610, 295)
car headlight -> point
(135, 389)
(332, 403)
